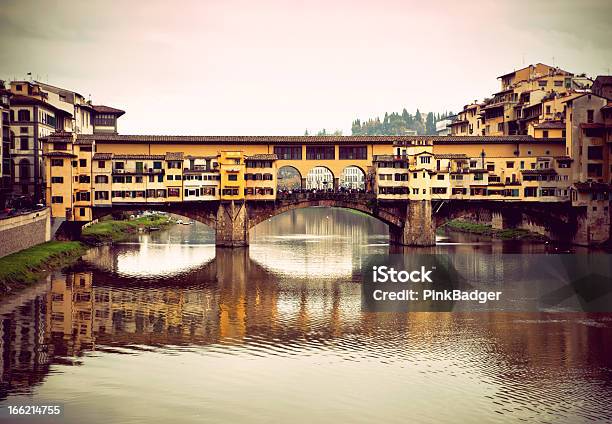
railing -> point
(346, 195)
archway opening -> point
(320, 178)
(289, 178)
(352, 178)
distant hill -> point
(400, 124)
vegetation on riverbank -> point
(114, 230)
(28, 266)
(487, 230)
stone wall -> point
(22, 231)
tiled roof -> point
(548, 171)
(60, 154)
(388, 158)
(108, 109)
(262, 156)
(451, 156)
(592, 186)
(330, 139)
(139, 157)
(551, 125)
(83, 141)
(102, 156)
(174, 155)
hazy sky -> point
(280, 66)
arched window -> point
(23, 115)
(24, 170)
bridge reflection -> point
(234, 300)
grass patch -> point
(113, 231)
(487, 230)
(27, 266)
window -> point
(320, 152)
(558, 83)
(83, 162)
(101, 179)
(57, 180)
(174, 192)
(590, 116)
(84, 179)
(232, 177)
(139, 179)
(23, 130)
(500, 127)
(23, 115)
(101, 195)
(119, 165)
(104, 120)
(101, 164)
(548, 109)
(595, 152)
(83, 196)
(57, 162)
(353, 152)
(545, 133)
(82, 213)
(543, 83)
(509, 164)
(175, 164)
(24, 143)
(440, 177)
(425, 159)
(157, 165)
(288, 152)
(57, 199)
(478, 176)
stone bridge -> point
(411, 222)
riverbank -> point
(112, 231)
(28, 266)
(487, 230)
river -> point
(165, 329)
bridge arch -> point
(392, 217)
(202, 212)
(352, 177)
(289, 178)
(320, 177)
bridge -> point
(410, 183)
(410, 222)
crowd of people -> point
(338, 190)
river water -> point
(166, 329)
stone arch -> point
(392, 219)
(355, 178)
(285, 181)
(320, 177)
(203, 212)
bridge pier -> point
(418, 229)
(232, 226)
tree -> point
(306, 132)
(430, 125)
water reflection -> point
(234, 332)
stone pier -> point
(232, 225)
(418, 229)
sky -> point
(277, 67)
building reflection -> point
(237, 300)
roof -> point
(102, 156)
(60, 154)
(86, 142)
(108, 109)
(376, 139)
(264, 156)
(19, 99)
(550, 125)
(451, 156)
(592, 186)
(174, 156)
(547, 171)
(137, 157)
(388, 158)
